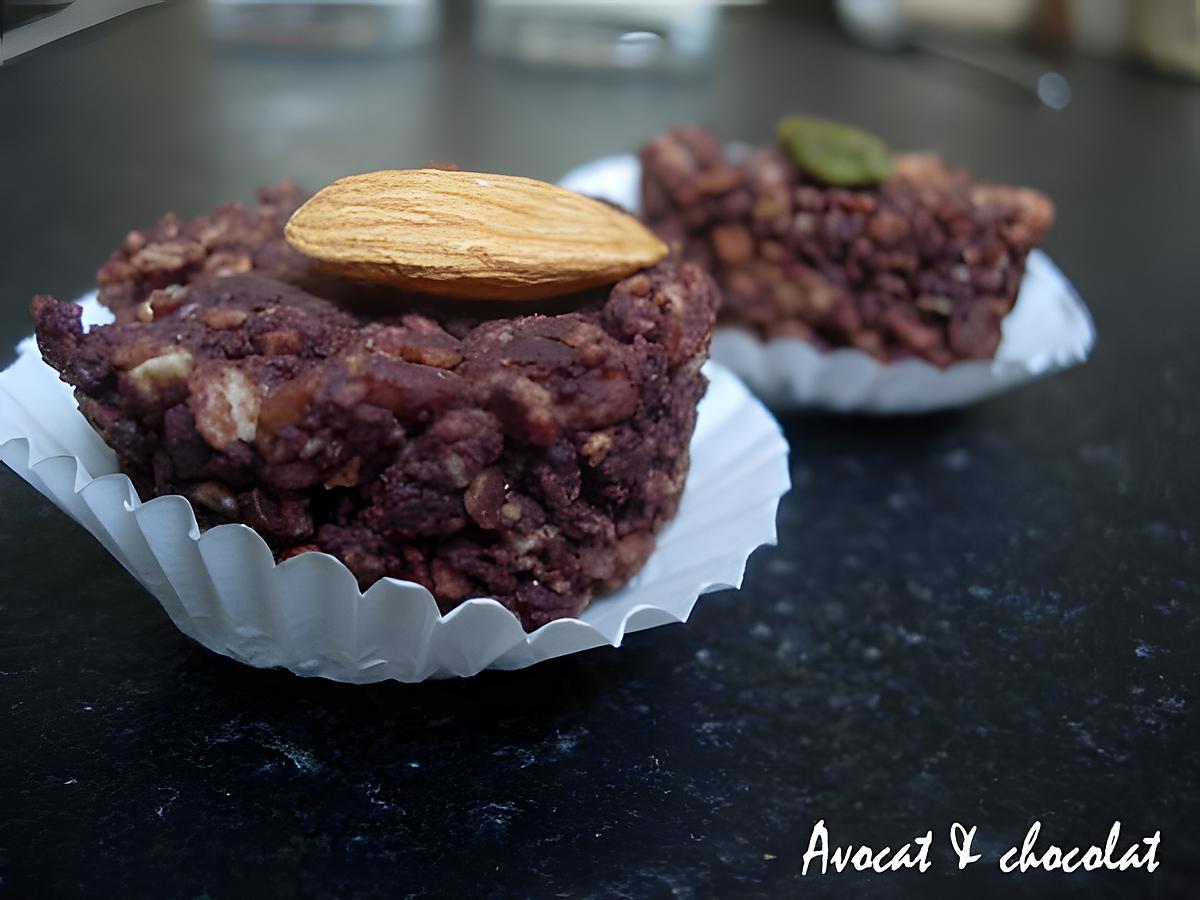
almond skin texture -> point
(464, 234)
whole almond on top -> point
(469, 235)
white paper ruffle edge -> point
(223, 588)
(1048, 330)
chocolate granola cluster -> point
(233, 238)
(523, 456)
(926, 264)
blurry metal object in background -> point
(346, 25)
(28, 24)
(599, 35)
(895, 25)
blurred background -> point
(182, 104)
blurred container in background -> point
(345, 25)
(1167, 33)
(591, 35)
(1164, 33)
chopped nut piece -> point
(156, 374)
(225, 403)
(223, 318)
(167, 255)
(484, 499)
(596, 447)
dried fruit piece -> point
(834, 153)
(470, 235)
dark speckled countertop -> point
(987, 617)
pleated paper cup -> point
(1049, 329)
(223, 588)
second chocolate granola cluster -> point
(924, 264)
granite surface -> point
(987, 617)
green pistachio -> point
(834, 153)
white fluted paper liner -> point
(1049, 329)
(223, 588)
